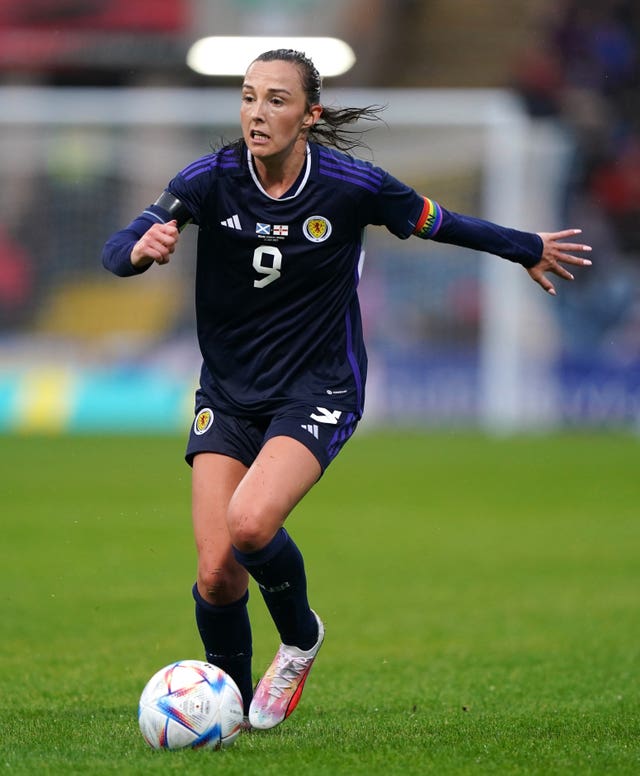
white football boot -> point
(279, 690)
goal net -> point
(454, 338)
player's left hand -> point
(554, 255)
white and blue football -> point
(190, 704)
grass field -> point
(481, 598)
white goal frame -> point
(523, 165)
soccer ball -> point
(190, 704)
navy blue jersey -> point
(277, 309)
(276, 287)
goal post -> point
(524, 164)
(103, 154)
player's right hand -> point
(157, 244)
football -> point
(190, 704)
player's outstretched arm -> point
(157, 244)
(540, 253)
(555, 253)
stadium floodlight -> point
(227, 55)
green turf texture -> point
(481, 599)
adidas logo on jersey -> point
(312, 428)
(232, 223)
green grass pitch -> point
(481, 598)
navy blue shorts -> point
(323, 430)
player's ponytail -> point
(336, 126)
(330, 129)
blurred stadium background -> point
(525, 113)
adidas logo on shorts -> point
(312, 428)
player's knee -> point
(219, 586)
(250, 526)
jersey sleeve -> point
(180, 200)
(195, 182)
(405, 212)
(441, 225)
(396, 206)
(188, 195)
(116, 253)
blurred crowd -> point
(585, 72)
(580, 69)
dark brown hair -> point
(331, 128)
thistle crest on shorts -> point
(203, 421)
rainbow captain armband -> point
(430, 219)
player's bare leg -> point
(220, 592)
(221, 580)
(284, 471)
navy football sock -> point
(226, 635)
(278, 569)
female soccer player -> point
(281, 214)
